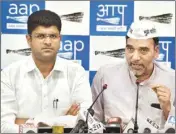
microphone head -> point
(170, 130)
(105, 86)
(130, 130)
(30, 131)
(129, 127)
(147, 130)
(91, 111)
(144, 126)
(83, 115)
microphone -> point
(30, 131)
(113, 125)
(97, 127)
(147, 130)
(136, 111)
(169, 125)
(27, 128)
(78, 126)
(146, 126)
(170, 130)
(149, 126)
(83, 122)
(129, 127)
(156, 105)
(90, 110)
(153, 123)
(94, 126)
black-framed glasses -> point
(42, 36)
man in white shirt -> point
(156, 81)
(43, 84)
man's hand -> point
(73, 110)
(163, 93)
(25, 122)
(19, 121)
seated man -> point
(44, 83)
(156, 81)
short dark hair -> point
(155, 39)
(44, 18)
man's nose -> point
(47, 41)
(136, 56)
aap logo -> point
(15, 15)
(167, 51)
(111, 18)
(76, 48)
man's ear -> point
(156, 51)
(28, 39)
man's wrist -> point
(166, 111)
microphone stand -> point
(91, 111)
(136, 112)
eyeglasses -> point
(41, 36)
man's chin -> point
(48, 57)
(137, 73)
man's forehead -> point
(43, 29)
(140, 42)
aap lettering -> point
(75, 45)
(23, 9)
(105, 10)
(165, 46)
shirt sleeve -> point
(8, 106)
(96, 89)
(81, 91)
